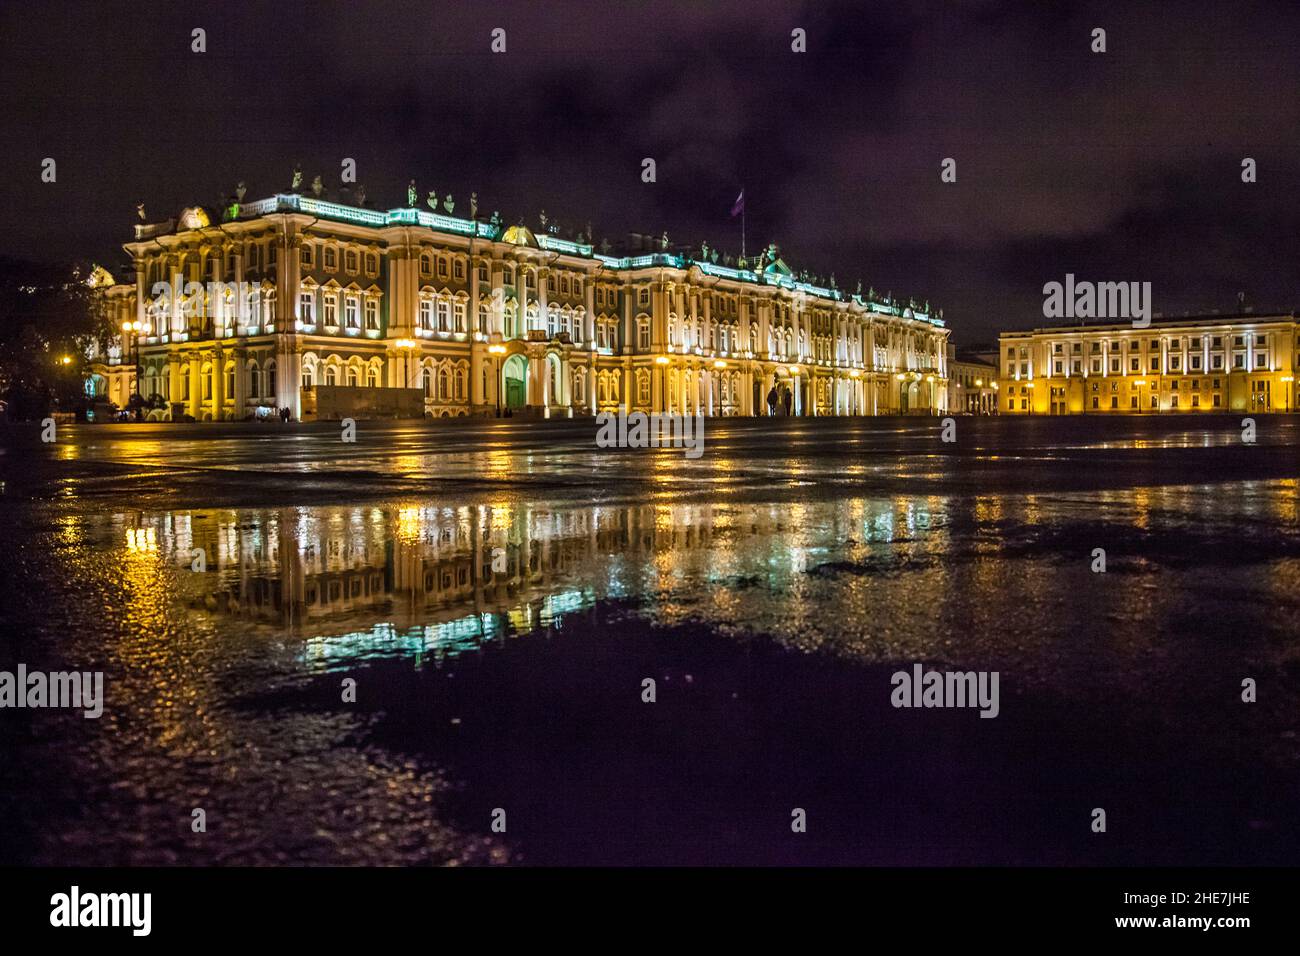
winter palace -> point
(329, 309)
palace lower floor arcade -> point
(212, 381)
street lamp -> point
(1287, 380)
(405, 346)
(128, 328)
(1031, 399)
(498, 351)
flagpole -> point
(742, 226)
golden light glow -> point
(66, 360)
(405, 343)
(719, 364)
(661, 360)
(497, 349)
(979, 383)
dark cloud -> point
(1119, 166)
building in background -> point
(258, 308)
(1240, 363)
(972, 381)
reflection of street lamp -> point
(498, 351)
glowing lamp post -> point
(498, 351)
(132, 330)
(405, 346)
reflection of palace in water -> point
(446, 579)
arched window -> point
(444, 385)
(306, 377)
(460, 384)
(372, 378)
(352, 378)
(255, 381)
(270, 380)
(426, 380)
(331, 375)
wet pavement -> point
(499, 591)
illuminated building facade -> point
(482, 318)
(1243, 363)
(972, 383)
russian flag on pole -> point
(739, 205)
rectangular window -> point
(372, 315)
(351, 310)
(307, 308)
(305, 256)
(331, 310)
(643, 336)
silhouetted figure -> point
(771, 401)
(789, 399)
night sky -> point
(1122, 166)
